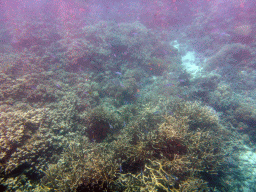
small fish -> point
(124, 124)
(58, 85)
(156, 112)
(166, 176)
(118, 73)
(176, 178)
(224, 34)
(120, 170)
(111, 127)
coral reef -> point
(200, 117)
(93, 105)
(222, 97)
(173, 156)
(25, 145)
(101, 122)
(89, 165)
(229, 56)
(110, 47)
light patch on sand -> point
(189, 63)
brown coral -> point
(23, 138)
(172, 157)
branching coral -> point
(107, 46)
(169, 157)
(82, 164)
(101, 122)
(199, 116)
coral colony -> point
(127, 96)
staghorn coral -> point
(84, 164)
(200, 117)
(177, 152)
(170, 156)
